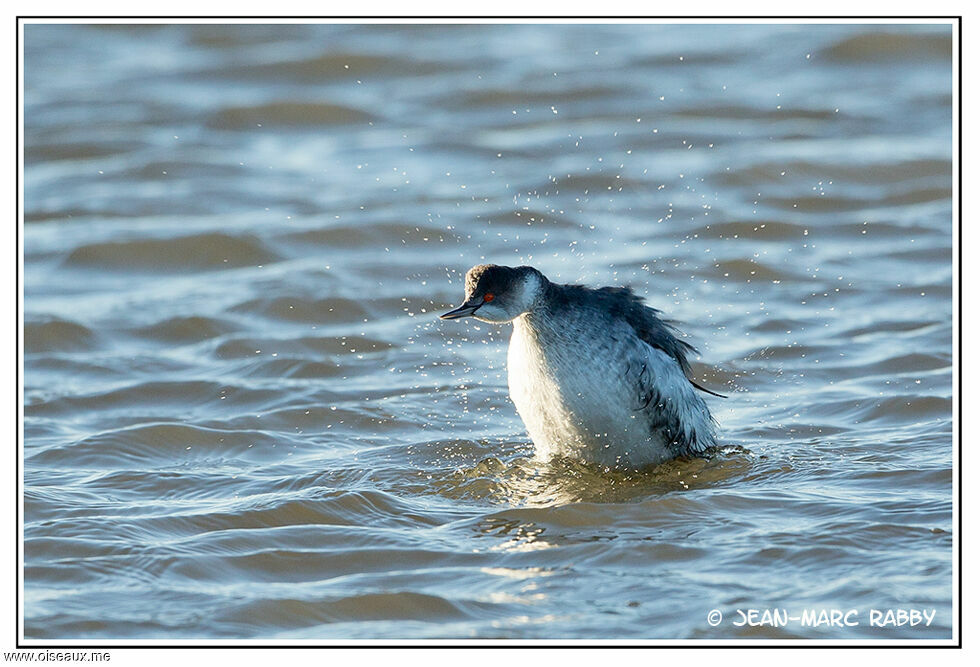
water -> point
(243, 419)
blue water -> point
(242, 418)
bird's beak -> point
(465, 310)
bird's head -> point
(499, 293)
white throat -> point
(518, 300)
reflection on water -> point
(243, 418)
(531, 482)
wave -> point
(210, 251)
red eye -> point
(488, 297)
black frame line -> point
(455, 644)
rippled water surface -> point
(243, 419)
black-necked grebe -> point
(595, 374)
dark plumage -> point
(495, 279)
(624, 303)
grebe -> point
(594, 373)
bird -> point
(595, 374)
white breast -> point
(580, 395)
